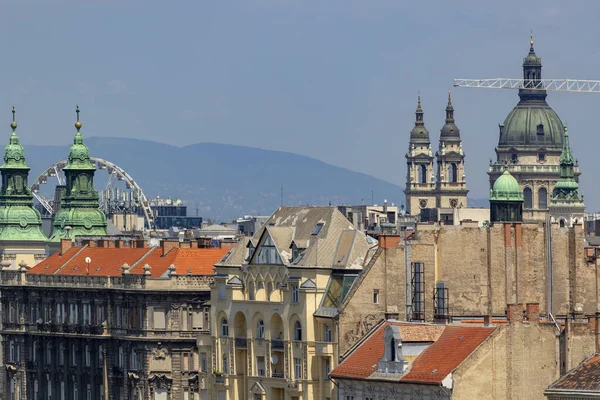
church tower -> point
(451, 184)
(420, 181)
(530, 143)
(79, 214)
(22, 242)
(566, 205)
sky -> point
(336, 80)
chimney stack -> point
(65, 245)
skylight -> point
(317, 229)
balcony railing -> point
(277, 344)
(241, 343)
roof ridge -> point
(70, 259)
(142, 258)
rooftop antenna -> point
(372, 198)
(282, 195)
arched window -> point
(540, 130)
(392, 349)
(297, 331)
(541, 157)
(422, 173)
(562, 223)
(251, 292)
(542, 198)
(260, 329)
(269, 290)
(514, 158)
(452, 173)
(527, 198)
(224, 327)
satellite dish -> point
(88, 260)
(274, 359)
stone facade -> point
(482, 269)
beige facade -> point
(482, 269)
(273, 302)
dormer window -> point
(540, 130)
(514, 158)
(541, 157)
(317, 229)
(393, 361)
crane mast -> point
(553, 85)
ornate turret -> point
(451, 185)
(419, 134)
(420, 182)
(506, 200)
(19, 221)
(79, 214)
(566, 205)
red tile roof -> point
(584, 377)
(451, 345)
(187, 261)
(109, 261)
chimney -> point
(119, 243)
(194, 244)
(185, 245)
(168, 245)
(65, 245)
(514, 313)
(102, 243)
(141, 243)
(389, 241)
(532, 312)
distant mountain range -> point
(224, 181)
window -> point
(514, 157)
(267, 253)
(120, 360)
(327, 367)
(542, 198)
(89, 392)
(297, 368)
(260, 366)
(197, 319)
(225, 364)
(418, 297)
(87, 356)
(317, 229)
(203, 362)
(11, 354)
(260, 329)
(159, 318)
(61, 354)
(541, 157)
(295, 293)
(527, 198)
(540, 130)
(327, 333)
(422, 173)
(297, 331)
(48, 355)
(375, 296)
(73, 354)
(224, 327)
(222, 294)
(452, 173)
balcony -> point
(277, 344)
(294, 386)
(324, 348)
(277, 375)
(241, 343)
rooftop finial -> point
(419, 99)
(13, 124)
(78, 123)
(531, 41)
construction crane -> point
(532, 71)
(555, 85)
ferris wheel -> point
(112, 199)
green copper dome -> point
(79, 213)
(532, 124)
(506, 188)
(19, 221)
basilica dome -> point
(532, 123)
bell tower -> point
(451, 184)
(420, 179)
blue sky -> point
(334, 80)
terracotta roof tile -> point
(109, 261)
(584, 377)
(451, 345)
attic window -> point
(317, 229)
(540, 129)
(271, 223)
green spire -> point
(80, 213)
(566, 188)
(19, 221)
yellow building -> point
(274, 303)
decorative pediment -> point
(235, 281)
(160, 381)
(258, 388)
(308, 284)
